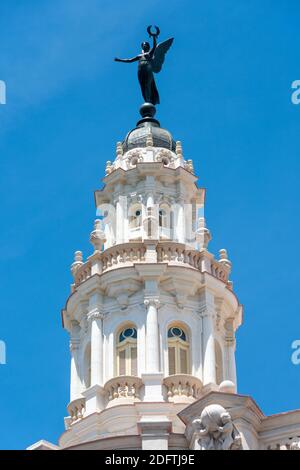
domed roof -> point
(148, 130)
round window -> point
(128, 333)
(176, 332)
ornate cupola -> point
(152, 315)
(148, 132)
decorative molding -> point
(95, 314)
(152, 301)
(219, 305)
(74, 344)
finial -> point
(119, 150)
(78, 261)
(190, 166)
(224, 257)
(147, 111)
(97, 237)
(223, 254)
(78, 256)
(108, 168)
(178, 149)
(203, 235)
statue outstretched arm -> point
(128, 61)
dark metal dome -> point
(148, 130)
(138, 137)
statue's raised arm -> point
(150, 60)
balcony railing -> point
(173, 253)
(123, 388)
(284, 444)
(76, 409)
(182, 388)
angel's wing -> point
(159, 54)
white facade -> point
(152, 316)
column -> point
(151, 218)
(209, 360)
(94, 395)
(150, 201)
(75, 383)
(152, 376)
(121, 209)
(152, 336)
(151, 227)
(180, 221)
(230, 365)
(231, 362)
(95, 317)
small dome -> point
(148, 132)
(139, 137)
(227, 386)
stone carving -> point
(216, 430)
(133, 157)
(189, 166)
(94, 314)
(164, 156)
(295, 445)
(108, 168)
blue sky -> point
(226, 94)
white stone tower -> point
(152, 318)
(152, 314)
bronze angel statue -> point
(150, 60)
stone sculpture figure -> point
(150, 60)
(226, 437)
(216, 430)
(295, 445)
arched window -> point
(127, 351)
(162, 218)
(165, 216)
(165, 221)
(178, 351)
(135, 217)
